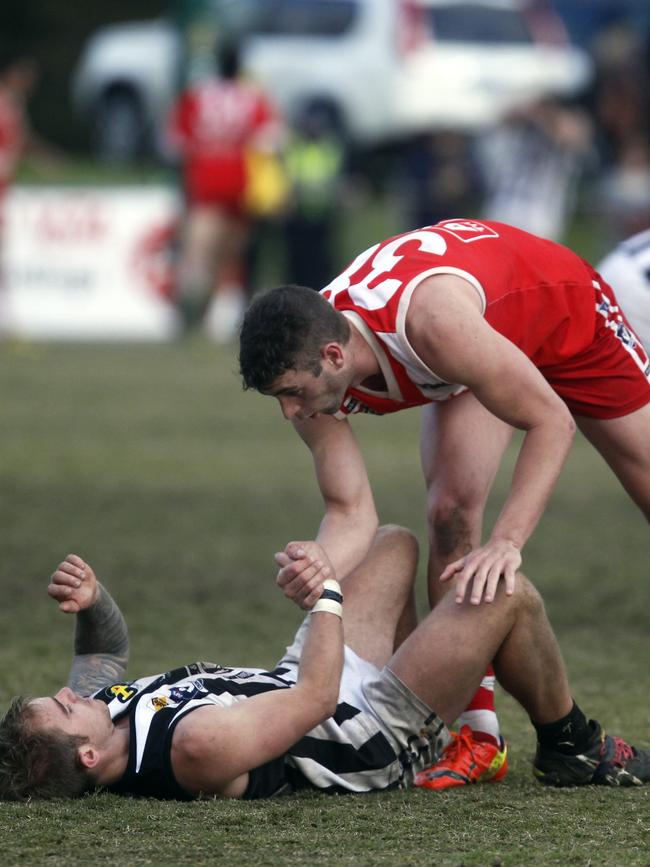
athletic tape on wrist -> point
(331, 599)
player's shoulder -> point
(636, 246)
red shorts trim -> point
(611, 378)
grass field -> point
(178, 487)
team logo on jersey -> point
(352, 405)
(466, 230)
(614, 321)
(122, 691)
(188, 691)
(625, 335)
(604, 306)
(158, 702)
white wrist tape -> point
(331, 599)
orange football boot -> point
(466, 760)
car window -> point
(470, 22)
(303, 17)
(237, 16)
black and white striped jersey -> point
(348, 752)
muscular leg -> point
(379, 606)
(228, 300)
(461, 447)
(230, 254)
(200, 239)
(444, 659)
(442, 663)
(625, 444)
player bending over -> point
(487, 328)
(365, 715)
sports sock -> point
(480, 714)
(569, 735)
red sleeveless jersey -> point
(538, 294)
(212, 125)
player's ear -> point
(88, 756)
(332, 353)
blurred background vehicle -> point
(424, 108)
(381, 69)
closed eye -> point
(289, 391)
(65, 708)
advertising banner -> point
(89, 263)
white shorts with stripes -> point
(415, 733)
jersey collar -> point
(393, 390)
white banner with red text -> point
(89, 263)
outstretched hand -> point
(303, 568)
(73, 585)
(483, 569)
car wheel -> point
(119, 129)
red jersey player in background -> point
(17, 80)
(489, 328)
(213, 126)
(18, 76)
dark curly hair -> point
(37, 763)
(284, 329)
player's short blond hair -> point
(37, 762)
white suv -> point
(382, 68)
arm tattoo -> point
(101, 646)
(93, 671)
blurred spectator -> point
(440, 177)
(18, 77)
(627, 270)
(531, 164)
(622, 109)
(213, 127)
(314, 161)
(624, 192)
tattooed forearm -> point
(101, 628)
(101, 646)
(91, 672)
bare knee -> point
(527, 598)
(399, 542)
(455, 523)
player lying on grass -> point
(365, 715)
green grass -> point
(76, 170)
(178, 487)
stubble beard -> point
(333, 394)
